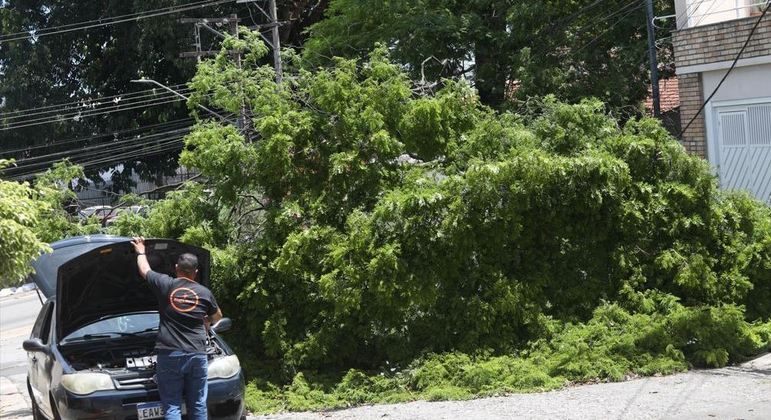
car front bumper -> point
(225, 401)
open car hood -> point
(97, 276)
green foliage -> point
(19, 215)
(570, 48)
(612, 346)
(425, 246)
(53, 187)
(393, 224)
(33, 215)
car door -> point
(39, 363)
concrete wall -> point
(743, 83)
(692, 13)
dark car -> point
(91, 352)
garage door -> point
(744, 139)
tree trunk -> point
(489, 55)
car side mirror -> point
(222, 325)
(35, 345)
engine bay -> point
(123, 355)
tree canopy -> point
(363, 219)
(570, 48)
(79, 67)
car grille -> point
(134, 381)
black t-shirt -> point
(182, 305)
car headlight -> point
(86, 383)
(224, 367)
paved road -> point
(17, 314)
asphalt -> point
(17, 315)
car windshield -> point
(135, 324)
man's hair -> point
(187, 263)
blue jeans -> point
(178, 372)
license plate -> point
(154, 410)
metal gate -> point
(744, 141)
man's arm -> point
(142, 263)
(213, 318)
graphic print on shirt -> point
(183, 299)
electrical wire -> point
(733, 65)
(76, 114)
(111, 98)
(689, 13)
(17, 36)
(705, 14)
(52, 120)
(117, 159)
(613, 14)
(73, 112)
(94, 155)
(111, 144)
(595, 39)
(112, 134)
(91, 152)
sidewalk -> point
(13, 406)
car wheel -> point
(36, 415)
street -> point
(17, 315)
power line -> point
(92, 153)
(66, 114)
(96, 150)
(705, 14)
(111, 144)
(689, 13)
(87, 115)
(112, 134)
(17, 36)
(595, 39)
(102, 20)
(733, 65)
(60, 113)
(613, 14)
(90, 158)
(83, 102)
(114, 159)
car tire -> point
(54, 409)
(36, 414)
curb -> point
(13, 406)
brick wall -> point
(691, 98)
(712, 44)
(721, 41)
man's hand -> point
(209, 320)
(139, 244)
(142, 263)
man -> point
(186, 309)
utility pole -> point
(275, 42)
(204, 23)
(653, 61)
(209, 24)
